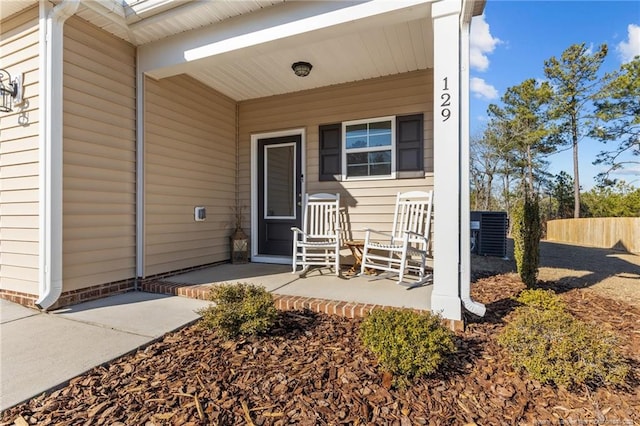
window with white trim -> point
(376, 148)
(369, 148)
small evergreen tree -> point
(527, 231)
(562, 188)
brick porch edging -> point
(284, 302)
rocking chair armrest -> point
(299, 231)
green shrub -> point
(406, 343)
(526, 232)
(554, 347)
(541, 299)
(240, 309)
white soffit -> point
(11, 7)
(144, 21)
(361, 55)
(250, 56)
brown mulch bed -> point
(313, 370)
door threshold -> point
(279, 260)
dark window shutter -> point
(330, 151)
(409, 143)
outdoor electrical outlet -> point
(199, 213)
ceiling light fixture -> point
(302, 69)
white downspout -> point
(465, 243)
(140, 183)
(50, 179)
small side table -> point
(356, 247)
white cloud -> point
(627, 171)
(589, 50)
(481, 43)
(628, 49)
(482, 90)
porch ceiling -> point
(250, 56)
(345, 41)
(359, 55)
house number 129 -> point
(445, 112)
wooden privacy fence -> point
(620, 233)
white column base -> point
(449, 307)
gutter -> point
(50, 157)
(465, 216)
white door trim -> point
(255, 257)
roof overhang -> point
(245, 49)
(250, 56)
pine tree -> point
(524, 129)
(576, 85)
(618, 112)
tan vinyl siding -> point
(19, 163)
(99, 171)
(367, 203)
(190, 161)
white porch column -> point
(445, 297)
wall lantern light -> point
(302, 69)
(239, 247)
(239, 240)
(11, 93)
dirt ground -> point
(614, 274)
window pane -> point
(356, 142)
(380, 163)
(380, 140)
(358, 158)
(357, 171)
(279, 180)
(376, 163)
(357, 130)
(380, 170)
(380, 127)
(380, 157)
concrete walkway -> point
(42, 351)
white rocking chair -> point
(404, 250)
(318, 243)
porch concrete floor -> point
(319, 283)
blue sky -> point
(511, 41)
